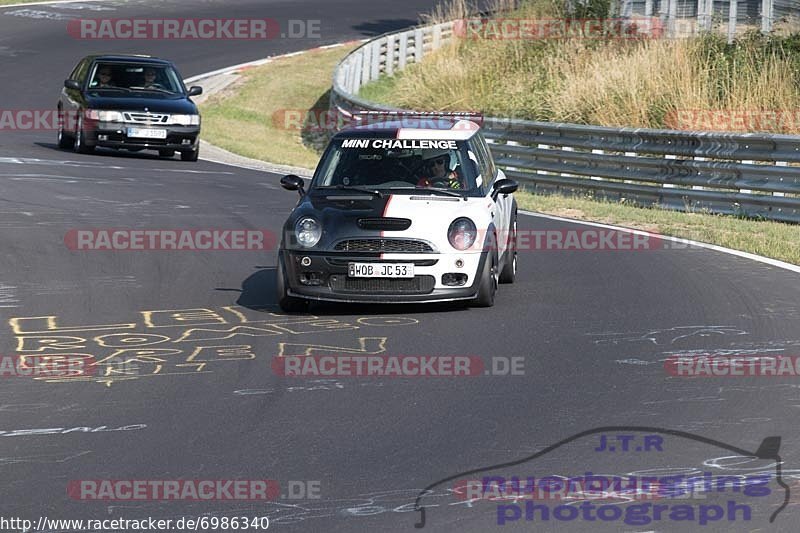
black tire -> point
(165, 152)
(192, 155)
(79, 140)
(509, 272)
(488, 283)
(64, 140)
(288, 304)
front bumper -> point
(115, 135)
(330, 281)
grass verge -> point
(241, 120)
(254, 117)
(770, 239)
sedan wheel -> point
(64, 141)
(192, 155)
(79, 144)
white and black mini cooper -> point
(399, 214)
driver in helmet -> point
(437, 171)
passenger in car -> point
(150, 79)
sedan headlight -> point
(185, 120)
(308, 232)
(462, 233)
(104, 116)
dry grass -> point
(640, 83)
(248, 120)
(240, 120)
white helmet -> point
(433, 153)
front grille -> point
(384, 223)
(383, 245)
(123, 140)
(146, 118)
(415, 285)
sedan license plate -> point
(380, 270)
(147, 133)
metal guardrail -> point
(755, 175)
(386, 54)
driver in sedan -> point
(103, 79)
(438, 172)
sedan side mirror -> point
(72, 84)
(291, 182)
(195, 90)
(504, 186)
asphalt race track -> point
(200, 400)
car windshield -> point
(397, 165)
(125, 78)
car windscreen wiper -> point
(124, 89)
(153, 89)
(430, 190)
(373, 192)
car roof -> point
(129, 58)
(414, 127)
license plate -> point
(147, 133)
(380, 270)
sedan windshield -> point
(399, 164)
(133, 77)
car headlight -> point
(104, 116)
(462, 233)
(185, 120)
(308, 232)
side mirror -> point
(293, 183)
(195, 90)
(504, 186)
(72, 84)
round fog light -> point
(306, 261)
(459, 263)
